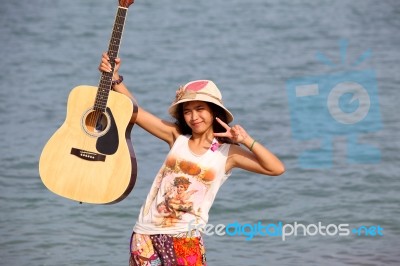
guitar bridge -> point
(87, 155)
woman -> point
(203, 151)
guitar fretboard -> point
(113, 48)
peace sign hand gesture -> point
(236, 133)
(260, 160)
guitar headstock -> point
(125, 3)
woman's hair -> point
(217, 111)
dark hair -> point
(217, 127)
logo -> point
(284, 231)
(344, 103)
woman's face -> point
(198, 116)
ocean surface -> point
(251, 49)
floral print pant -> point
(166, 250)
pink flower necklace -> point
(215, 145)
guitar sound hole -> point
(96, 123)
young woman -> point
(203, 151)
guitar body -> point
(90, 158)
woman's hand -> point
(236, 133)
(105, 65)
(258, 159)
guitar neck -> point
(113, 49)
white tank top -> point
(183, 190)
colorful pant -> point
(166, 250)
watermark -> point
(344, 103)
(284, 231)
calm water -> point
(250, 49)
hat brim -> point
(204, 98)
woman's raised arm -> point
(162, 129)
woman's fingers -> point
(231, 132)
(221, 135)
(223, 123)
(105, 65)
(236, 133)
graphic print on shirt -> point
(180, 189)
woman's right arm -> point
(164, 130)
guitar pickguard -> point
(108, 143)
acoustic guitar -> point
(90, 158)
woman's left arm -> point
(256, 158)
